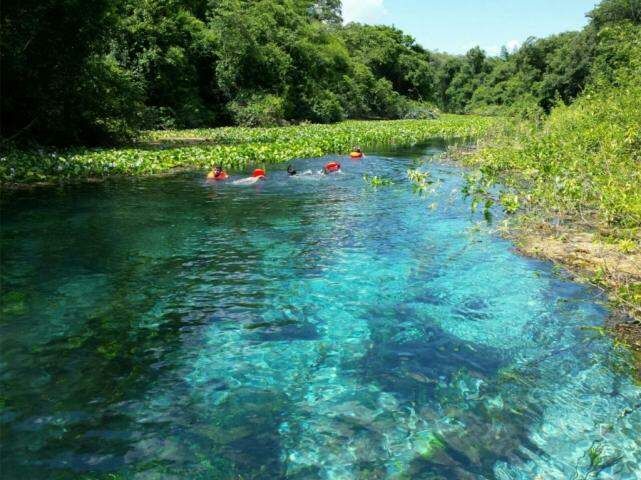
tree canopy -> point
(72, 74)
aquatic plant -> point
(428, 444)
(421, 181)
(597, 460)
(376, 181)
(419, 177)
(235, 148)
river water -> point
(313, 327)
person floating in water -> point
(217, 174)
(258, 175)
(331, 167)
(291, 171)
(356, 153)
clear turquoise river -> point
(312, 327)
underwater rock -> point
(416, 367)
(473, 309)
(247, 432)
(355, 412)
(288, 331)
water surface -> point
(304, 328)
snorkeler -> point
(217, 174)
(291, 171)
(258, 175)
(331, 167)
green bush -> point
(386, 102)
(258, 110)
(158, 118)
(326, 108)
(583, 161)
(526, 108)
(419, 111)
(112, 100)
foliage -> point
(420, 111)
(326, 108)
(421, 181)
(175, 64)
(57, 84)
(233, 147)
(394, 56)
(258, 110)
(199, 63)
(616, 11)
(376, 181)
(583, 163)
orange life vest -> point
(217, 176)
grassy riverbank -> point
(235, 148)
(574, 181)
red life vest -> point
(333, 167)
(259, 172)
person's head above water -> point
(291, 170)
(218, 169)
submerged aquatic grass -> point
(235, 148)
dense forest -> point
(78, 75)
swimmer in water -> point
(291, 171)
(217, 174)
(356, 153)
(331, 167)
(257, 176)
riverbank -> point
(606, 258)
(571, 183)
(235, 148)
(592, 260)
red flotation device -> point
(356, 155)
(259, 172)
(332, 167)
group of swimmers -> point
(218, 174)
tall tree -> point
(50, 53)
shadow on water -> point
(441, 376)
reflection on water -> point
(301, 328)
